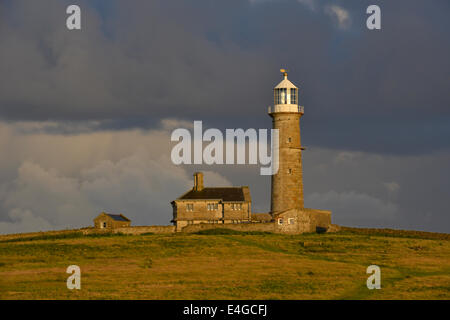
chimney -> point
(198, 181)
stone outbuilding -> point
(302, 220)
(111, 221)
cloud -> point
(24, 221)
(61, 127)
(392, 187)
(52, 180)
(353, 208)
(133, 64)
(66, 180)
(311, 4)
(341, 15)
(373, 189)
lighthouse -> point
(287, 183)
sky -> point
(86, 115)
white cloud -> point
(339, 14)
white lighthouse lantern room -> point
(286, 96)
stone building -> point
(287, 205)
(218, 205)
(111, 221)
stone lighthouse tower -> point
(287, 183)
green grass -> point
(226, 264)
(70, 235)
(222, 231)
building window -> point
(280, 221)
(290, 171)
(289, 140)
(291, 221)
(236, 206)
(213, 206)
(190, 207)
(103, 224)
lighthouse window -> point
(280, 96)
(293, 96)
(283, 96)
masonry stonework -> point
(287, 183)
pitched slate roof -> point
(118, 217)
(223, 193)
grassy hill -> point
(225, 264)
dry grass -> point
(228, 266)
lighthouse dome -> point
(286, 83)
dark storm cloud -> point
(136, 63)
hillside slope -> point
(227, 265)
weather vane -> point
(284, 72)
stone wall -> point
(145, 229)
(264, 227)
(315, 220)
(133, 230)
